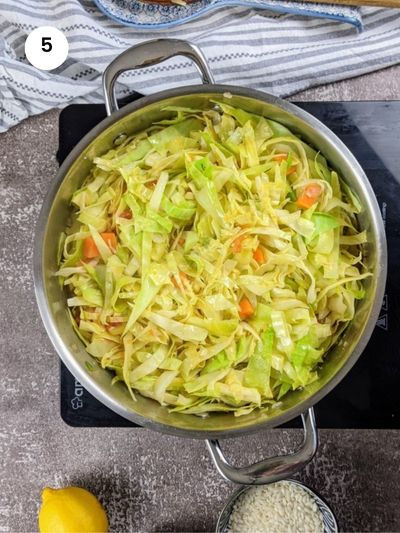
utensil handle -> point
(274, 468)
(145, 55)
(375, 3)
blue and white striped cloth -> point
(281, 54)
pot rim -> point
(86, 380)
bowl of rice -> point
(282, 507)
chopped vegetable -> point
(111, 240)
(309, 195)
(183, 279)
(90, 249)
(126, 214)
(212, 260)
(237, 244)
(280, 157)
(258, 255)
(246, 309)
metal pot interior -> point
(55, 216)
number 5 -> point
(46, 44)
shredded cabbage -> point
(196, 275)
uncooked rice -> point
(282, 507)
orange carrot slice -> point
(309, 196)
(183, 278)
(280, 157)
(246, 309)
(237, 244)
(90, 250)
(258, 255)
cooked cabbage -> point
(212, 261)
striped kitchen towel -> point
(278, 53)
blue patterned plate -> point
(138, 14)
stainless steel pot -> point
(54, 218)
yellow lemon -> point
(71, 510)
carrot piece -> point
(181, 242)
(183, 278)
(110, 239)
(90, 250)
(309, 196)
(237, 244)
(283, 157)
(246, 309)
(280, 157)
(258, 255)
(126, 214)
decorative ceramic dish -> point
(328, 518)
(153, 15)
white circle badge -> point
(46, 48)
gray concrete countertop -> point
(147, 481)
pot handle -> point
(145, 55)
(274, 468)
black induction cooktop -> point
(369, 396)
